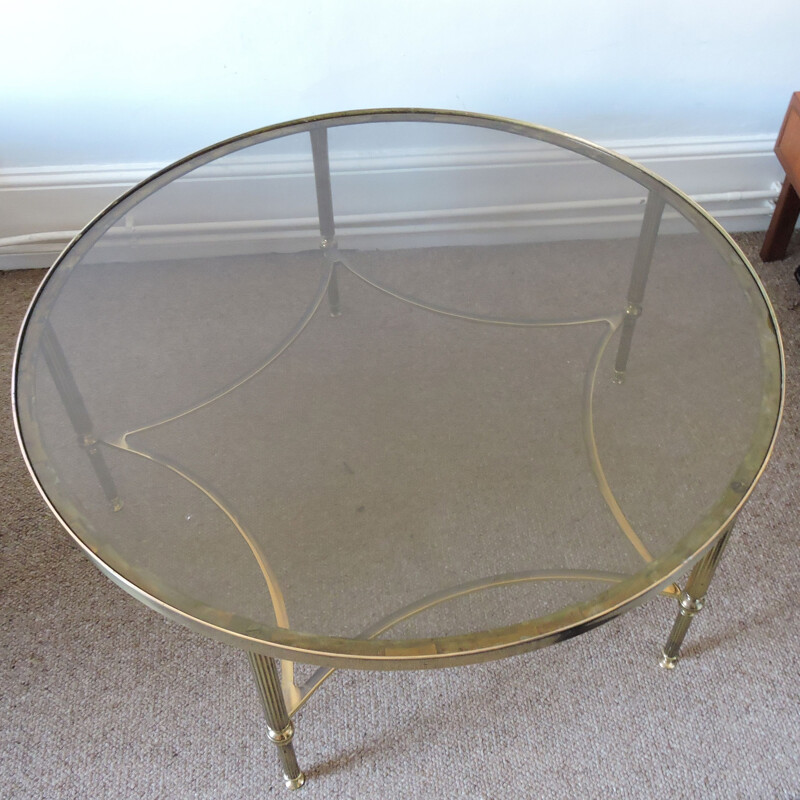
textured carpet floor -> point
(101, 698)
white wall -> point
(93, 82)
(95, 95)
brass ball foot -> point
(668, 662)
(295, 783)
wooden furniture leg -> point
(787, 148)
(782, 223)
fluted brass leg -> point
(76, 411)
(279, 727)
(691, 600)
(334, 305)
(641, 270)
(327, 227)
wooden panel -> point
(787, 147)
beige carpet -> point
(103, 699)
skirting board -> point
(735, 178)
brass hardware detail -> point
(692, 599)
(633, 310)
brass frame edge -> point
(451, 650)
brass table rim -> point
(478, 646)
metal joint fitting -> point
(282, 737)
(690, 605)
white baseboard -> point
(735, 178)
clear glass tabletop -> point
(387, 388)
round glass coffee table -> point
(399, 389)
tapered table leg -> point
(781, 226)
(279, 727)
(327, 227)
(330, 250)
(641, 269)
(76, 411)
(691, 600)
